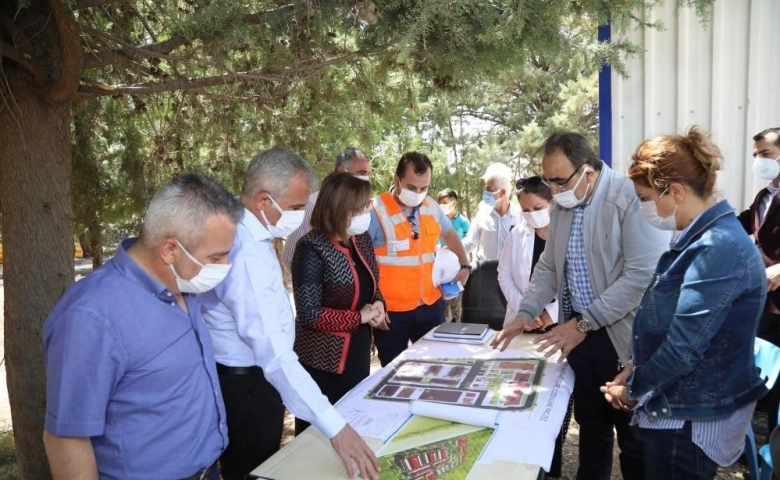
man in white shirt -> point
(496, 217)
(252, 326)
(350, 160)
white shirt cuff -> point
(330, 422)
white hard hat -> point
(445, 266)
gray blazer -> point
(622, 253)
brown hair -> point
(691, 159)
(341, 197)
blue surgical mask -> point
(489, 198)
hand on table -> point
(518, 326)
(544, 320)
(563, 338)
(350, 447)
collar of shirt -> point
(256, 228)
(772, 188)
(130, 269)
(512, 211)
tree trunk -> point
(35, 174)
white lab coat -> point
(514, 271)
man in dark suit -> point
(762, 220)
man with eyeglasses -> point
(598, 260)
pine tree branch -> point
(124, 55)
(131, 51)
(81, 4)
(303, 70)
(23, 60)
(488, 117)
(65, 87)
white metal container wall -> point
(723, 76)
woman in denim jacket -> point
(693, 383)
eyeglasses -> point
(561, 184)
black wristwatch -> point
(467, 267)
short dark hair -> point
(764, 133)
(576, 147)
(447, 193)
(419, 162)
(342, 195)
(534, 186)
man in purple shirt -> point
(132, 388)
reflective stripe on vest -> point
(405, 261)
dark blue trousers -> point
(406, 326)
(595, 362)
(672, 455)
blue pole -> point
(605, 101)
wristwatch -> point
(584, 325)
(467, 267)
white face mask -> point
(537, 218)
(649, 211)
(568, 199)
(365, 178)
(359, 224)
(210, 275)
(766, 168)
(287, 223)
(411, 199)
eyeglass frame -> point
(562, 185)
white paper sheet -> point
(479, 417)
(521, 444)
(523, 437)
(374, 424)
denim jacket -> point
(694, 331)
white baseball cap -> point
(445, 266)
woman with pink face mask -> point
(523, 249)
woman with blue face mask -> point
(335, 285)
(692, 382)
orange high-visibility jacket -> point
(406, 264)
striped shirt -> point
(723, 440)
(576, 267)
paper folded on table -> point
(480, 417)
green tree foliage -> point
(129, 92)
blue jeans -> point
(405, 326)
(672, 455)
